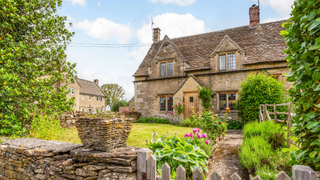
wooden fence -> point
(147, 170)
(264, 115)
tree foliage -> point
(33, 41)
(255, 90)
(113, 92)
(205, 94)
(302, 36)
(118, 103)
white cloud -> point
(274, 19)
(172, 25)
(81, 2)
(179, 2)
(283, 6)
(105, 29)
(90, 75)
(69, 18)
(99, 4)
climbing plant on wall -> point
(302, 36)
(205, 94)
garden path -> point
(225, 159)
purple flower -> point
(187, 135)
(198, 129)
(204, 135)
(191, 135)
(199, 136)
(219, 122)
(207, 142)
(35, 102)
(195, 130)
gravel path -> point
(225, 159)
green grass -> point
(140, 132)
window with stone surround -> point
(166, 103)
(276, 76)
(166, 69)
(227, 99)
(227, 61)
(71, 91)
(99, 98)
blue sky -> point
(114, 22)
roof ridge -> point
(85, 80)
(225, 30)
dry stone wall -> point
(26, 159)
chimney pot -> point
(156, 35)
(96, 81)
(254, 13)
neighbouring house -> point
(174, 69)
(88, 96)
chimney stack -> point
(254, 13)
(156, 35)
(96, 81)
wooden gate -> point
(191, 100)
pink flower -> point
(171, 113)
(178, 102)
(226, 121)
(191, 135)
(35, 102)
(207, 142)
(171, 106)
(183, 104)
(199, 136)
(195, 130)
(192, 138)
(219, 122)
(198, 129)
(204, 135)
(187, 135)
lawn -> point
(139, 134)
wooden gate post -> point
(289, 125)
(143, 156)
(265, 112)
(275, 114)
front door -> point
(191, 100)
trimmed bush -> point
(154, 120)
(255, 90)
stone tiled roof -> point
(261, 43)
(90, 88)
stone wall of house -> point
(26, 159)
(147, 92)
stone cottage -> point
(174, 69)
(88, 96)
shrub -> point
(261, 151)
(176, 152)
(157, 120)
(302, 36)
(118, 103)
(186, 123)
(255, 90)
(233, 124)
(205, 94)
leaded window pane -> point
(163, 69)
(222, 101)
(222, 62)
(162, 103)
(170, 104)
(231, 61)
(170, 68)
(232, 101)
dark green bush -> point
(233, 124)
(117, 104)
(261, 151)
(157, 120)
(187, 123)
(255, 90)
(302, 36)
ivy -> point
(205, 94)
(302, 35)
(33, 67)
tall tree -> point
(302, 36)
(33, 41)
(113, 92)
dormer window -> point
(227, 62)
(166, 69)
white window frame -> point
(89, 98)
(83, 97)
(166, 71)
(82, 109)
(71, 91)
(227, 61)
(89, 109)
(227, 98)
(99, 99)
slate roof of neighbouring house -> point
(262, 43)
(90, 88)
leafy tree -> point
(205, 94)
(33, 41)
(302, 36)
(255, 90)
(113, 92)
(118, 103)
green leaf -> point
(283, 33)
(313, 154)
(301, 154)
(315, 47)
(315, 142)
(193, 167)
(311, 125)
(318, 105)
(188, 148)
(314, 25)
(316, 76)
